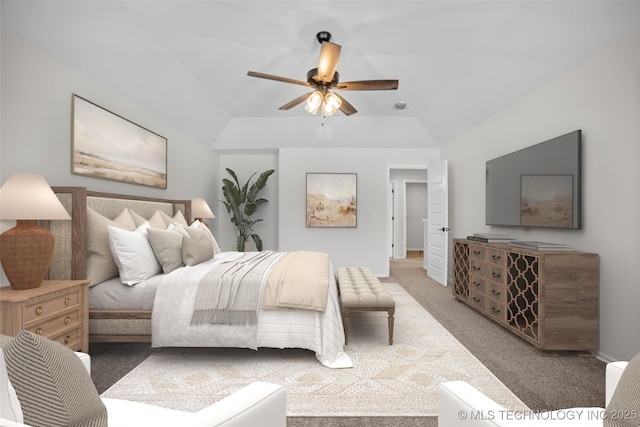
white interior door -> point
(437, 241)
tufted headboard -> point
(69, 257)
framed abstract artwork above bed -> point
(105, 145)
(332, 200)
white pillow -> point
(132, 254)
(202, 226)
(9, 404)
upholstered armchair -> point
(44, 383)
(461, 405)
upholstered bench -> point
(360, 290)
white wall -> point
(35, 135)
(365, 245)
(602, 97)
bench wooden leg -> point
(391, 319)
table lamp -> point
(26, 250)
(200, 209)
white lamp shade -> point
(28, 196)
(200, 209)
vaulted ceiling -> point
(186, 62)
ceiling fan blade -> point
(346, 107)
(277, 78)
(295, 102)
(368, 85)
(328, 62)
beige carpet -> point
(397, 380)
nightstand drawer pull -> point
(67, 301)
(39, 310)
(39, 331)
(67, 320)
(67, 339)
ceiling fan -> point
(326, 77)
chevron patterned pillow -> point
(623, 409)
(52, 384)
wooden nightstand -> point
(58, 310)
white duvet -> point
(321, 333)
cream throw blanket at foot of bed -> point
(299, 280)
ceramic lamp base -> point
(26, 252)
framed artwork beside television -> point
(105, 145)
(331, 200)
(546, 201)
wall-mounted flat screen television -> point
(538, 186)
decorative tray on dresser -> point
(549, 298)
(58, 310)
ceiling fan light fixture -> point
(331, 104)
(314, 101)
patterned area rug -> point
(396, 380)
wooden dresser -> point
(58, 310)
(549, 298)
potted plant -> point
(242, 202)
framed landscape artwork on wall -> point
(331, 200)
(547, 200)
(105, 145)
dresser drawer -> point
(491, 255)
(50, 307)
(50, 326)
(489, 271)
(69, 338)
(477, 299)
(496, 310)
(497, 293)
(478, 284)
(492, 308)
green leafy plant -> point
(242, 202)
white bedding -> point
(112, 294)
(319, 332)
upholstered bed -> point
(159, 308)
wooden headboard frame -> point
(70, 258)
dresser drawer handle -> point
(476, 284)
(67, 320)
(495, 274)
(495, 310)
(39, 310)
(67, 301)
(497, 257)
(39, 331)
(67, 339)
(493, 291)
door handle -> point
(445, 229)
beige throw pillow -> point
(197, 225)
(195, 251)
(100, 263)
(52, 384)
(177, 218)
(167, 247)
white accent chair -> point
(259, 403)
(461, 405)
